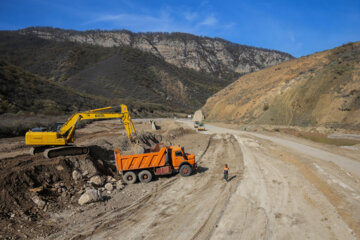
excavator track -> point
(35, 150)
(65, 151)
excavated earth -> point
(280, 187)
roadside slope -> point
(320, 89)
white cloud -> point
(209, 21)
(190, 16)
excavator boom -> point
(66, 134)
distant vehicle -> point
(196, 124)
(189, 116)
(161, 161)
(201, 127)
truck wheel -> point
(185, 170)
(129, 177)
(145, 176)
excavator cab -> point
(39, 129)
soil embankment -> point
(281, 187)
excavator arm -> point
(66, 133)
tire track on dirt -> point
(130, 215)
(110, 220)
(193, 212)
(232, 151)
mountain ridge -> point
(89, 64)
(213, 55)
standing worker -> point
(226, 172)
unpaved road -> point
(280, 188)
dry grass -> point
(318, 137)
(319, 89)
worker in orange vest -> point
(226, 172)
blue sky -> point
(297, 27)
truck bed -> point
(139, 161)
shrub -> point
(266, 107)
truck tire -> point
(129, 177)
(185, 170)
(145, 176)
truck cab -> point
(179, 157)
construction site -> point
(279, 186)
(179, 120)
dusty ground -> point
(281, 187)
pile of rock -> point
(85, 185)
(96, 186)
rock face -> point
(198, 116)
(213, 55)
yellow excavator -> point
(58, 142)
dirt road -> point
(280, 187)
(291, 190)
(276, 191)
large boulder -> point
(110, 179)
(38, 201)
(109, 187)
(76, 175)
(91, 195)
(154, 126)
(84, 165)
(198, 116)
(97, 181)
(119, 185)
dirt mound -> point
(173, 129)
(317, 90)
(32, 186)
(33, 189)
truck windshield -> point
(178, 154)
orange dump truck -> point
(161, 161)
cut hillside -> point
(322, 89)
(134, 76)
(217, 56)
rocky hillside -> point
(118, 74)
(150, 70)
(322, 89)
(212, 55)
(21, 91)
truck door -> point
(177, 157)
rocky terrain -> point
(280, 187)
(155, 71)
(322, 89)
(115, 75)
(213, 55)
